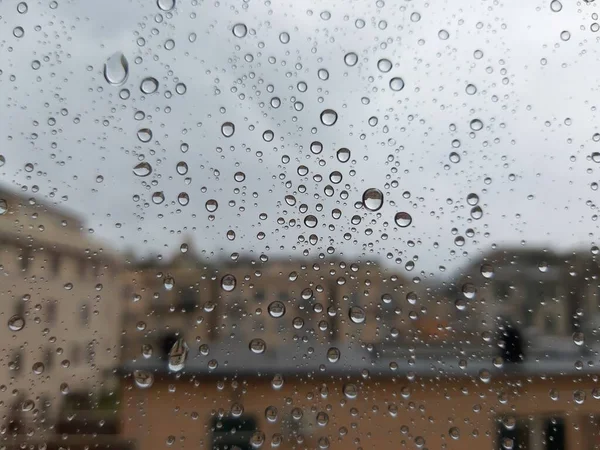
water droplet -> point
(237, 410)
(454, 433)
(396, 84)
(578, 338)
(329, 117)
(166, 5)
(38, 368)
(350, 391)
(149, 85)
(277, 381)
(227, 129)
(565, 35)
(454, 157)
(384, 65)
(485, 375)
(182, 168)
(322, 418)
(357, 314)
(472, 199)
(144, 135)
(228, 283)
(271, 414)
(116, 69)
(403, 219)
(211, 205)
(257, 346)
(178, 355)
(343, 155)
(147, 351)
(471, 89)
(443, 35)
(143, 379)
(351, 59)
(257, 439)
(284, 37)
(16, 323)
(333, 355)
(22, 8)
(476, 212)
(579, 397)
(487, 271)
(555, 5)
(310, 221)
(372, 199)
(18, 32)
(183, 198)
(276, 309)
(239, 176)
(323, 74)
(415, 17)
(143, 169)
(240, 30)
(316, 147)
(476, 124)
(158, 197)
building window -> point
(25, 259)
(55, 263)
(516, 435)
(84, 315)
(75, 354)
(232, 432)
(554, 434)
(16, 361)
(48, 359)
(51, 312)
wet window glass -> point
(243, 224)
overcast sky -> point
(536, 96)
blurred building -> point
(61, 303)
(325, 354)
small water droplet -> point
(158, 197)
(443, 34)
(38, 368)
(350, 391)
(555, 6)
(323, 74)
(284, 37)
(578, 338)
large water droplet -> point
(555, 6)
(38, 368)
(144, 135)
(403, 219)
(384, 65)
(158, 197)
(476, 124)
(329, 117)
(257, 346)
(143, 169)
(333, 355)
(228, 283)
(351, 59)
(228, 129)
(578, 338)
(396, 84)
(149, 85)
(276, 309)
(310, 221)
(178, 355)
(166, 5)
(211, 205)
(143, 379)
(372, 199)
(16, 323)
(357, 314)
(343, 155)
(116, 69)
(350, 391)
(240, 30)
